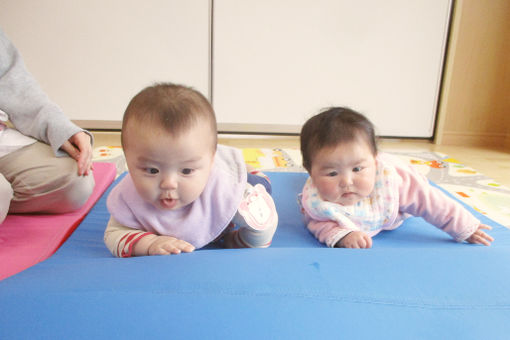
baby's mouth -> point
(168, 203)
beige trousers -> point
(33, 180)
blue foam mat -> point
(414, 283)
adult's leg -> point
(44, 183)
(5, 197)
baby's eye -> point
(152, 171)
(187, 171)
(332, 173)
(357, 169)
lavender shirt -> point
(198, 223)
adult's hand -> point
(79, 148)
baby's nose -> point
(345, 181)
(169, 182)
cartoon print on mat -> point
(110, 154)
(272, 159)
(466, 184)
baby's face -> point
(344, 173)
(169, 172)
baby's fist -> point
(355, 239)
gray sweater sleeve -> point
(28, 107)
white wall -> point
(93, 56)
(279, 62)
(274, 62)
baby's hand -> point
(165, 245)
(355, 239)
(480, 237)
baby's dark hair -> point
(172, 107)
(331, 127)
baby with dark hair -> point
(354, 191)
(183, 191)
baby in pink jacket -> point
(354, 191)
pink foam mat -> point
(29, 239)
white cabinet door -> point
(277, 62)
(92, 56)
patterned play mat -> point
(466, 184)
